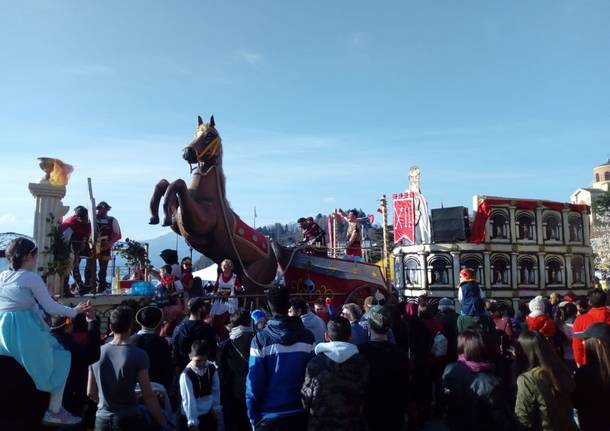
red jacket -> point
(543, 324)
(594, 315)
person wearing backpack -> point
(438, 354)
(476, 398)
(387, 388)
(233, 357)
(472, 306)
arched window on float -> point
(500, 270)
(526, 226)
(527, 268)
(475, 262)
(551, 224)
(412, 272)
(554, 271)
(440, 270)
(606, 176)
(597, 178)
(499, 225)
(575, 227)
(578, 271)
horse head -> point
(205, 148)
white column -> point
(588, 276)
(514, 273)
(569, 275)
(586, 229)
(513, 223)
(456, 267)
(541, 271)
(565, 216)
(423, 264)
(48, 206)
(539, 229)
(487, 269)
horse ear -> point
(212, 123)
(199, 120)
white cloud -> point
(330, 199)
(250, 57)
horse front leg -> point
(155, 200)
(196, 218)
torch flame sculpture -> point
(57, 172)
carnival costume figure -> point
(313, 236)
(76, 231)
(227, 285)
(108, 232)
(353, 247)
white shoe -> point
(62, 417)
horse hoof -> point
(154, 220)
(166, 222)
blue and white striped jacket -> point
(279, 355)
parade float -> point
(517, 248)
(201, 214)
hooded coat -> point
(594, 315)
(333, 391)
(279, 355)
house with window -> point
(517, 248)
(599, 186)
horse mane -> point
(223, 179)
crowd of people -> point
(388, 365)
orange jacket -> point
(543, 324)
(594, 315)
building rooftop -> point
(604, 164)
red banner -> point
(404, 217)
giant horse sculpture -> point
(201, 213)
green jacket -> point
(540, 407)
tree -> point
(601, 208)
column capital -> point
(47, 190)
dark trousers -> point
(290, 423)
(119, 423)
(235, 414)
(103, 259)
(206, 423)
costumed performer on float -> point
(24, 334)
(227, 285)
(169, 296)
(76, 231)
(353, 247)
(108, 233)
(313, 235)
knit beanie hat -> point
(467, 274)
(258, 315)
(445, 304)
(537, 304)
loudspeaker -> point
(450, 224)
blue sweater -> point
(278, 357)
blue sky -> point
(320, 104)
